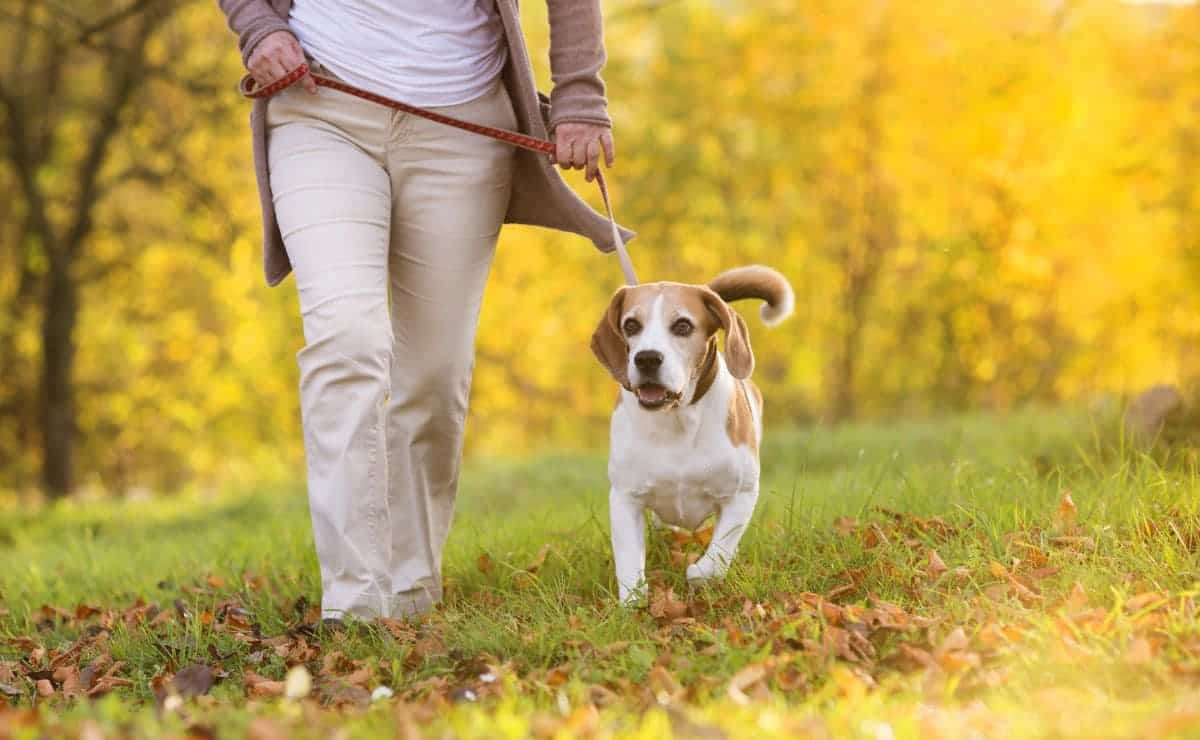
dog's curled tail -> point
(757, 281)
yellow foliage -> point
(977, 203)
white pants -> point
(390, 222)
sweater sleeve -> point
(252, 21)
(576, 58)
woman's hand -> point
(578, 145)
(276, 55)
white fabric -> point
(423, 52)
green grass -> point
(980, 490)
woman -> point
(389, 222)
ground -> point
(994, 576)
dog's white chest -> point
(681, 473)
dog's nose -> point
(648, 360)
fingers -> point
(593, 159)
(579, 153)
(610, 151)
(277, 55)
(562, 150)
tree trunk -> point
(59, 315)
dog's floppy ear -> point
(739, 357)
(608, 344)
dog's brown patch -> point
(740, 425)
(707, 371)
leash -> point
(249, 88)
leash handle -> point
(250, 89)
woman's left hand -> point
(578, 146)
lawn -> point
(991, 576)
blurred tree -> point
(58, 166)
(980, 205)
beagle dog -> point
(686, 430)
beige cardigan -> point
(540, 196)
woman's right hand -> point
(276, 55)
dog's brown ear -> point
(739, 357)
(608, 344)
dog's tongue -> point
(652, 394)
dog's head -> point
(659, 339)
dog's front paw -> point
(704, 570)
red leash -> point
(249, 88)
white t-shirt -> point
(421, 52)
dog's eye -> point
(682, 328)
(631, 327)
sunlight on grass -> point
(919, 579)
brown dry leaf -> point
(539, 559)
(664, 686)
(558, 675)
(109, 681)
(613, 648)
(704, 535)
(917, 656)
(936, 565)
(874, 537)
(845, 526)
(743, 680)
(45, 688)
(1065, 516)
(664, 605)
(68, 678)
(194, 680)
(1035, 556)
(398, 629)
(839, 591)
(215, 582)
(485, 564)
(162, 618)
(261, 687)
(84, 611)
(342, 694)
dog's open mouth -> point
(655, 396)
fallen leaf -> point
(1066, 513)
(664, 605)
(260, 686)
(538, 560)
(45, 688)
(936, 565)
(215, 582)
(845, 526)
(84, 611)
(485, 564)
(194, 680)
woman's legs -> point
(451, 192)
(334, 201)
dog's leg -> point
(628, 524)
(732, 520)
